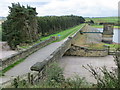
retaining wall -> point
(23, 54)
(85, 52)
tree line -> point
(23, 26)
(51, 24)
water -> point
(116, 36)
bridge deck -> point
(24, 67)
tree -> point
(51, 24)
(20, 26)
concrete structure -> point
(107, 35)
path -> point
(24, 67)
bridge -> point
(50, 52)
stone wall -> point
(56, 55)
(59, 52)
(23, 54)
(85, 52)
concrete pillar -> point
(107, 35)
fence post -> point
(29, 78)
(32, 79)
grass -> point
(115, 46)
(103, 19)
(96, 46)
(98, 20)
(10, 66)
(62, 35)
(82, 41)
(65, 33)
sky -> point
(85, 8)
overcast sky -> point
(86, 8)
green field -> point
(104, 19)
(65, 33)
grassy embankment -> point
(62, 34)
(103, 20)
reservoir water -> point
(116, 36)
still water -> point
(116, 36)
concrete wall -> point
(107, 34)
(85, 52)
(23, 54)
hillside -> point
(103, 19)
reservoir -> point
(116, 36)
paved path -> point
(24, 67)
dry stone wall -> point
(85, 52)
(23, 54)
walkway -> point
(24, 67)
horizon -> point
(85, 8)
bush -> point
(106, 79)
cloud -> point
(67, 7)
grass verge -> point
(11, 66)
(62, 35)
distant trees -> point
(90, 22)
(52, 24)
(20, 26)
